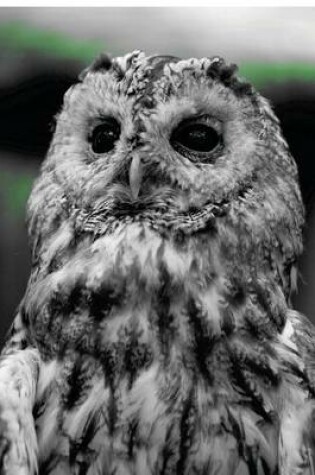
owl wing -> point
(300, 422)
(19, 367)
(303, 337)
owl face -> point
(151, 130)
(182, 146)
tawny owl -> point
(156, 335)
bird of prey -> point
(156, 335)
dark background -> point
(42, 50)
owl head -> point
(185, 148)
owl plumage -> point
(156, 335)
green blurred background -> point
(42, 50)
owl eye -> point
(195, 139)
(105, 135)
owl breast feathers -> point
(156, 334)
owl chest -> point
(146, 373)
(165, 422)
(156, 393)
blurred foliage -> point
(17, 35)
(15, 189)
(261, 74)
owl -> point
(156, 335)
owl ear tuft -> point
(227, 74)
(101, 64)
(218, 69)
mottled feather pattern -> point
(156, 332)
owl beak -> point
(135, 175)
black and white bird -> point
(156, 335)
